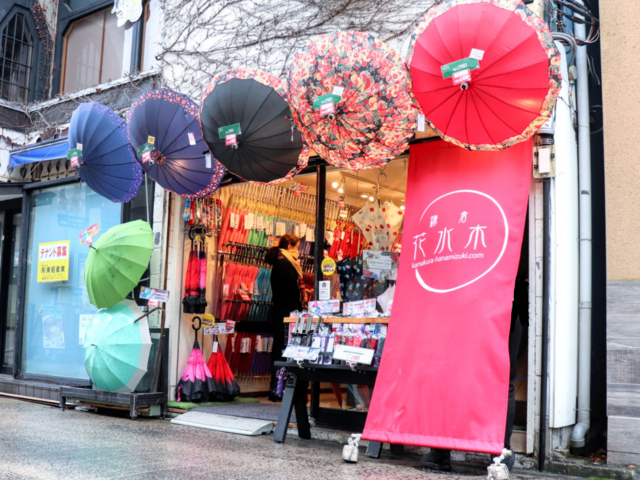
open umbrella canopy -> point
(350, 93)
(99, 144)
(178, 160)
(246, 122)
(486, 74)
(116, 347)
(117, 262)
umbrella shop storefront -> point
(323, 156)
(50, 301)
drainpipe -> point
(584, 182)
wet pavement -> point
(43, 442)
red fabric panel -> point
(444, 375)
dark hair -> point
(285, 240)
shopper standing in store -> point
(286, 274)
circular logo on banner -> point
(328, 266)
(462, 236)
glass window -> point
(152, 38)
(12, 293)
(16, 51)
(94, 50)
(56, 312)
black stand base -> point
(133, 400)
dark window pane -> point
(26, 34)
(11, 27)
(16, 55)
(19, 24)
(83, 52)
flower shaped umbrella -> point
(176, 157)
(350, 94)
(117, 262)
(485, 73)
(246, 122)
(116, 347)
(99, 150)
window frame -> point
(67, 17)
(35, 54)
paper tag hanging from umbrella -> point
(326, 104)
(230, 134)
(144, 150)
(74, 154)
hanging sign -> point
(378, 264)
(326, 104)
(53, 261)
(147, 293)
(127, 11)
(328, 266)
(463, 233)
(465, 64)
(86, 236)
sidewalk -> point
(43, 442)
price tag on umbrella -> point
(353, 354)
(74, 154)
(146, 148)
(461, 77)
(326, 104)
(192, 138)
(233, 129)
(465, 64)
(231, 139)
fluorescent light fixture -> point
(335, 184)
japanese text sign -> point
(53, 261)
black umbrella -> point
(246, 123)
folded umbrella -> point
(117, 261)
(196, 384)
(116, 347)
(98, 140)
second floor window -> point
(93, 52)
(16, 51)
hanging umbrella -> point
(486, 74)
(351, 98)
(246, 122)
(195, 285)
(225, 386)
(116, 347)
(99, 150)
(176, 157)
(117, 262)
(196, 384)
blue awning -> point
(50, 150)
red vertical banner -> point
(444, 376)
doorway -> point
(10, 229)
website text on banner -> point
(444, 376)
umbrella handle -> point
(199, 324)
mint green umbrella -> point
(116, 347)
(117, 262)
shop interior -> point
(237, 277)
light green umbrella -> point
(116, 347)
(117, 262)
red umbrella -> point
(351, 100)
(226, 387)
(486, 73)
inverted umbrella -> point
(225, 386)
(116, 347)
(196, 384)
(99, 150)
(176, 158)
(350, 93)
(486, 74)
(117, 262)
(246, 122)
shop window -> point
(93, 52)
(57, 311)
(151, 38)
(16, 55)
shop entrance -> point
(10, 229)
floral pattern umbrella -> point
(486, 73)
(374, 115)
(267, 148)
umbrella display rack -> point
(151, 404)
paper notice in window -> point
(281, 228)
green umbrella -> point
(117, 261)
(116, 347)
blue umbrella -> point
(164, 128)
(98, 136)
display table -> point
(295, 396)
(382, 320)
(132, 400)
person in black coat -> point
(286, 274)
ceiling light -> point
(401, 207)
(335, 184)
(364, 195)
(371, 199)
(341, 190)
